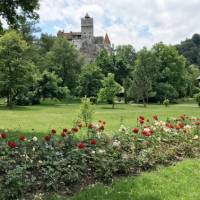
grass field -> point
(41, 118)
(180, 182)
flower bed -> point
(60, 162)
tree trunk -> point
(113, 105)
(9, 101)
(144, 102)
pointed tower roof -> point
(107, 40)
(87, 16)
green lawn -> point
(48, 116)
(180, 182)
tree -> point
(109, 89)
(143, 76)
(16, 71)
(49, 86)
(172, 71)
(89, 80)
(16, 12)
(124, 60)
(105, 62)
(190, 49)
(65, 61)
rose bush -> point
(59, 162)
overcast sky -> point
(137, 22)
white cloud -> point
(169, 21)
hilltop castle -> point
(85, 41)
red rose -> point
(141, 117)
(12, 144)
(81, 145)
(22, 138)
(155, 117)
(93, 142)
(90, 126)
(74, 130)
(141, 121)
(63, 134)
(53, 131)
(151, 131)
(136, 130)
(4, 135)
(47, 138)
(65, 130)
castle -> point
(85, 41)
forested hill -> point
(190, 48)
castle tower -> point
(87, 27)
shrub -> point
(166, 102)
(86, 111)
(61, 161)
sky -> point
(136, 22)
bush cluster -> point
(60, 162)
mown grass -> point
(41, 118)
(180, 182)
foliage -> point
(48, 86)
(89, 81)
(171, 74)
(109, 89)
(16, 12)
(166, 102)
(143, 76)
(197, 97)
(86, 111)
(105, 62)
(190, 49)
(65, 61)
(17, 71)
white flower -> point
(116, 143)
(93, 152)
(195, 137)
(33, 149)
(125, 156)
(35, 139)
(101, 151)
(69, 166)
(40, 161)
(122, 128)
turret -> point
(87, 28)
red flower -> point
(4, 135)
(93, 142)
(136, 130)
(141, 121)
(53, 131)
(81, 145)
(47, 138)
(74, 130)
(63, 134)
(12, 144)
(65, 130)
(146, 133)
(151, 131)
(177, 127)
(90, 126)
(22, 138)
(141, 117)
(155, 117)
